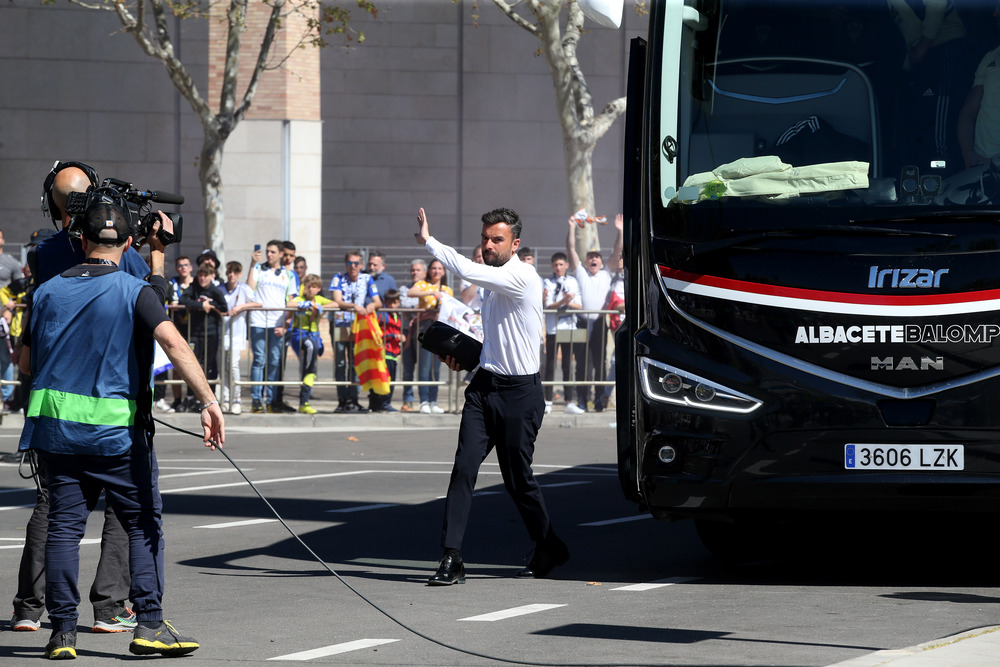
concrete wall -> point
(434, 109)
(457, 114)
(89, 95)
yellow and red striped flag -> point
(369, 355)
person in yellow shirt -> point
(11, 316)
(306, 341)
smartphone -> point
(256, 247)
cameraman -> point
(61, 251)
(89, 341)
(111, 580)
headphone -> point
(48, 205)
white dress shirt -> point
(513, 326)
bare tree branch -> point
(509, 10)
(262, 55)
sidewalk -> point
(974, 648)
(372, 421)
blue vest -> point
(86, 382)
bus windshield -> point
(859, 104)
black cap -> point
(40, 235)
(206, 254)
(106, 223)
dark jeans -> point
(308, 353)
(111, 581)
(502, 413)
(279, 391)
(206, 349)
(409, 359)
(568, 351)
(597, 342)
(130, 484)
(343, 368)
(381, 401)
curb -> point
(327, 419)
(980, 646)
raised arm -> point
(616, 251)
(499, 279)
(571, 254)
(252, 274)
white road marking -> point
(558, 484)
(16, 507)
(266, 481)
(92, 540)
(659, 583)
(363, 508)
(258, 482)
(512, 612)
(603, 471)
(346, 647)
(201, 472)
(624, 519)
(235, 524)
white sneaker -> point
(163, 406)
(225, 408)
(425, 408)
(436, 410)
(235, 409)
(548, 407)
(573, 409)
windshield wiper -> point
(811, 232)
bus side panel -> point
(628, 473)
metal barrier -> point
(578, 343)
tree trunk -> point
(210, 174)
(580, 180)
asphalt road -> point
(636, 591)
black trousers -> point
(110, 589)
(502, 413)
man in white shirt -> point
(273, 286)
(595, 284)
(503, 403)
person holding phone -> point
(273, 286)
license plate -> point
(904, 457)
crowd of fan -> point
(279, 306)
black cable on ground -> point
(373, 604)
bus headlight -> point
(667, 384)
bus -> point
(813, 261)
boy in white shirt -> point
(239, 298)
(561, 292)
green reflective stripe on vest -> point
(81, 409)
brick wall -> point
(289, 92)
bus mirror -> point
(606, 12)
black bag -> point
(447, 341)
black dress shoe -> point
(450, 571)
(548, 555)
